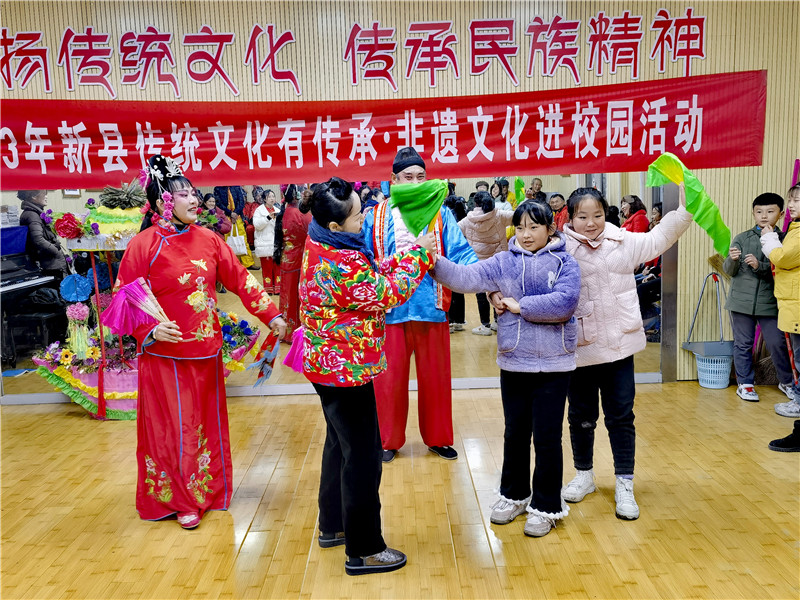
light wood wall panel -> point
(739, 36)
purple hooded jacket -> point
(547, 285)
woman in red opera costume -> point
(289, 252)
(183, 450)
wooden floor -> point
(720, 512)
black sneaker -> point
(382, 562)
(329, 540)
(388, 455)
(446, 452)
(791, 443)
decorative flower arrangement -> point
(91, 204)
(79, 378)
(130, 195)
(237, 338)
(56, 355)
(206, 218)
(77, 329)
(105, 300)
(78, 311)
(67, 225)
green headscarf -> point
(419, 203)
(668, 168)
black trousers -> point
(615, 386)
(533, 405)
(483, 308)
(351, 468)
(456, 312)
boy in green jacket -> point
(752, 301)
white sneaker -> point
(786, 388)
(458, 326)
(452, 327)
(626, 503)
(538, 526)
(493, 326)
(581, 484)
(789, 409)
(746, 391)
(481, 330)
(505, 511)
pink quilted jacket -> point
(486, 232)
(609, 321)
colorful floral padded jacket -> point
(343, 300)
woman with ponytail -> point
(345, 296)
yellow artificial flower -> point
(93, 352)
(66, 357)
(233, 317)
(235, 365)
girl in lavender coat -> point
(536, 339)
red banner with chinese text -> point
(708, 121)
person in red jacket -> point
(560, 213)
(251, 204)
(344, 295)
(635, 214)
(291, 229)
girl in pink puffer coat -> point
(610, 332)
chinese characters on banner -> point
(372, 50)
(614, 128)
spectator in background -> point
(480, 186)
(498, 196)
(249, 209)
(635, 214)
(289, 254)
(42, 244)
(536, 185)
(560, 212)
(612, 215)
(223, 225)
(372, 199)
(264, 220)
(230, 199)
(508, 195)
(656, 214)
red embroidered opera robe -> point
(183, 450)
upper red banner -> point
(708, 121)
